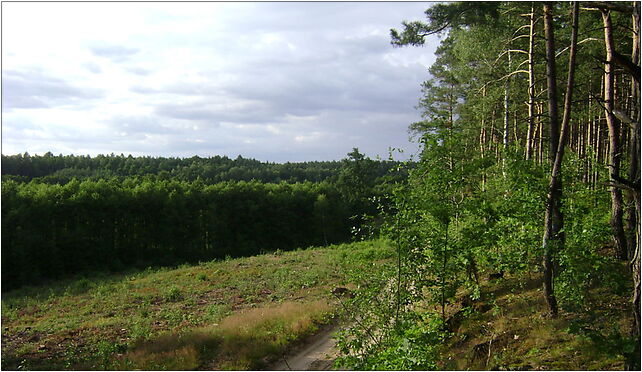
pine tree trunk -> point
(614, 154)
(506, 107)
(553, 234)
(531, 86)
(634, 197)
(553, 217)
(634, 138)
(540, 137)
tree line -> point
(61, 169)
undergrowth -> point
(508, 329)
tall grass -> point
(241, 341)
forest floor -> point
(510, 329)
(240, 314)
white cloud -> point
(275, 81)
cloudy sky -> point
(273, 81)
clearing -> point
(237, 314)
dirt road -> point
(317, 354)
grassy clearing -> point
(212, 315)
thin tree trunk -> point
(614, 143)
(553, 219)
(588, 145)
(634, 146)
(482, 138)
(531, 86)
(634, 197)
(540, 137)
(506, 107)
(599, 148)
(443, 278)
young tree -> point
(554, 219)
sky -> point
(276, 82)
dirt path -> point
(316, 354)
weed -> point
(79, 287)
(216, 312)
(105, 351)
(174, 295)
(140, 330)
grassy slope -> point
(510, 331)
(233, 314)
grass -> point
(230, 314)
(513, 332)
(243, 341)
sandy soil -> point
(316, 354)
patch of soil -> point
(314, 353)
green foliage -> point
(412, 346)
(173, 295)
(475, 201)
(116, 212)
(62, 169)
(52, 231)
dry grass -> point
(241, 341)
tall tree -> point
(615, 150)
(553, 237)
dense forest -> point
(530, 166)
(66, 215)
(60, 169)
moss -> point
(525, 339)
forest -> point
(60, 169)
(512, 241)
(530, 166)
(67, 215)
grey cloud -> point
(144, 90)
(326, 67)
(137, 124)
(34, 89)
(92, 67)
(201, 111)
(10, 101)
(185, 112)
(138, 71)
(182, 89)
(116, 53)
(367, 85)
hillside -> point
(510, 330)
(247, 313)
(508, 327)
(229, 314)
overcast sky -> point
(272, 81)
